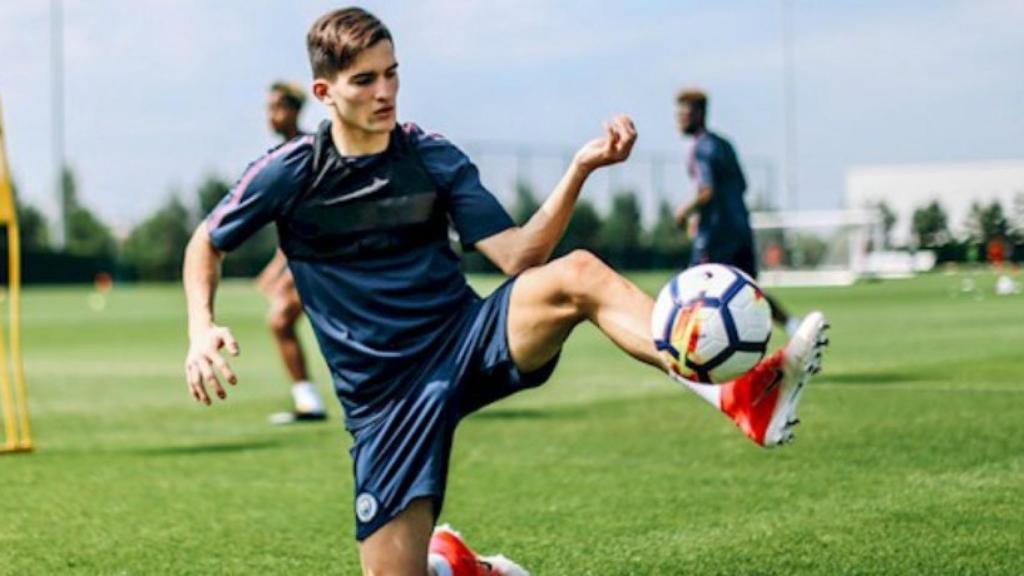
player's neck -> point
(351, 141)
(289, 133)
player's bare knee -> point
(582, 274)
(283, 315)
(280, 322)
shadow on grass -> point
(215, 448)
(868, 377)
(525, 414)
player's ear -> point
(321, 90)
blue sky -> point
(160, 93)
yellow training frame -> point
(17, 433)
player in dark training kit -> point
(362, 209)
(716, 218)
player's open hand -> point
(613, 147)
(204, 361)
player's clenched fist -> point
(613, 147)
(204, 361)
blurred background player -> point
(716, 219)
(284, 104)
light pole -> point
(789, 103)
(57, 102)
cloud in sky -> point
(161, 92)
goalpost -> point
(815, 248)
(17, 433)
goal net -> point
(815, 248)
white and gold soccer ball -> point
(711, 323)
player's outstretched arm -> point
(517, 249)
(204, 360)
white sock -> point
(792, 325)
(711, 393)
(307, 398)
(438, 565)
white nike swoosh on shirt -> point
(370, 188)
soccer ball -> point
(711, 323)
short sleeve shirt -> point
(374, 317)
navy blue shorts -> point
(402, 453)
(741, 257)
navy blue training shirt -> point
(724, 222)
(376, 316)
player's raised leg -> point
(549, 301)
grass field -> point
(910, 459)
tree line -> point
(985, 224)
(154, 249)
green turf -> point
(910, 459)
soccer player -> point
(363, 209)
(716, 219)
(284, 104)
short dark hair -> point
(694, 97)
(293, 94)
(337, 38)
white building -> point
(905, 188)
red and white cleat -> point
(763, 402)
(460, 560)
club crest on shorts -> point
(366, 507)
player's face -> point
(365, 94)
(688, 119)
(281, 116)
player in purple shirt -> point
(363, 209)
